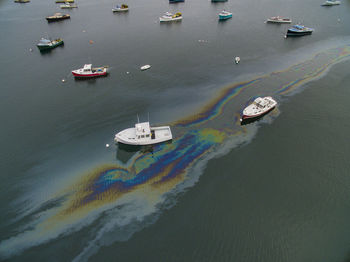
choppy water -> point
(273, 190)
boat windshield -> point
(44, 41)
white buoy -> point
(30, 50)
(63, 80)
(237, 59)
(107, 145)
(128, 72)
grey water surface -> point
(284, 196)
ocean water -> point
(273, 190)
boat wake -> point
(111, 202)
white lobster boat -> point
(144, 134)
(279, 20)
(89, 71)
(122, 8)
(168, 17)
(260, 107)
(331, 2)
(68, 6)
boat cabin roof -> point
(44, 41)
(261, 102)
(299, 27)
(142, 128)
(87, 67)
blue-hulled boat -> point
(215, 1)
(299, 30)
(224, 15)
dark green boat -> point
(45, 44)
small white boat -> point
(143, 134)
(68, 6)
(260, 107)
(237, 59)
(145, 67)
(330, 3)
(168, 17)
(279, 19)
(122, 8)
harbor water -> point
(273, 190)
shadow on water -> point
(223, 21)
(48, 52)
(171, 23)
(251, 120)
(125, 152)
(89, 80)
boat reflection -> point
(124, 152)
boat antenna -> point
(148, 117)
(138, 120)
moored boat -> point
(331, 2)
(122, 8)
(217, 1)
(57, 17)
(64, 1)
(168, 17)
(145, 67)
(46, 44)
(143, 134)
(224, 15)
(68, 6)
(260, 107)
(88, 71)
(22, 1)
(279, 19)
(299, 30)
(175, 1)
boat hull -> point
(49, 47)
(257, 116)
(54, 19)
(125, 142)
(224, 17)
(176, 1)
(92, 75)
(279, 21)
(64, 1)
(68, 7)
(291, 33)
(161, 19)
(120, 9)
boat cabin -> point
(87, 68)
(143, 130)
(261, 102)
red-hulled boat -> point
(88, 71)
